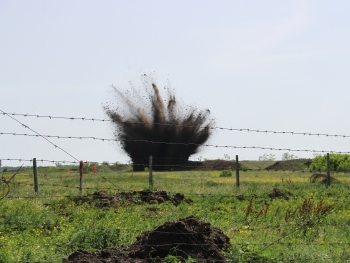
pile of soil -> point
(103, 199)
(321, 178)
(218, 165)
(208, 165)
(290, 165)
(187, 237)
(277, 193)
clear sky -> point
(268, 65)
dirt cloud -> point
(150, 125)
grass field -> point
(311, 224)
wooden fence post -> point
(150, 179)
(81, 168)
(328, 180)
(237, 172)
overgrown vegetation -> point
(226, 173)
(337, 162)
(309, 226)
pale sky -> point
(267, 65)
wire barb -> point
(318, 134)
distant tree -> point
(287, 156)
(267, 157)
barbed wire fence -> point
(318, 134)
(72, 171)
(192, 165)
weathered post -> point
(81, 168)
(150, 172)
(1, 170)
(237, 172)
(35, 172)
(328, 180)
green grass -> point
(312, 226)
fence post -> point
(237, 172)
(81, 168)
(328, 180)
(35, 172)
(1, 171)
(150, 172)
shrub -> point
(226, 173)
(245, 168)
(96, 238)
(337, 162)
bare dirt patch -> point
(184, 238)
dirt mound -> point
(187, 237)
(207, 165)
(290, 165)
(277, 193)
(103, 199)
(321, 178)
(218, 165)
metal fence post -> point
(81, 168)
(328, 181)
(35, 172)
(237, 172)
(150, 172)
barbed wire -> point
(243, 254)
(257, 244)
(174, 167)
(243, 228)
(175, 143)
(118, 191)
(38, 134)
(49, 185)
(39, 160)
(5, 184)
(205, 244)
(180, 125)
(45, 137)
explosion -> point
(158, 128)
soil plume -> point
(152, 126)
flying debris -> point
(152, 127)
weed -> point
(245, 168)
(226, 173)
(252, 210)
(96, 238)
(307, 217)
